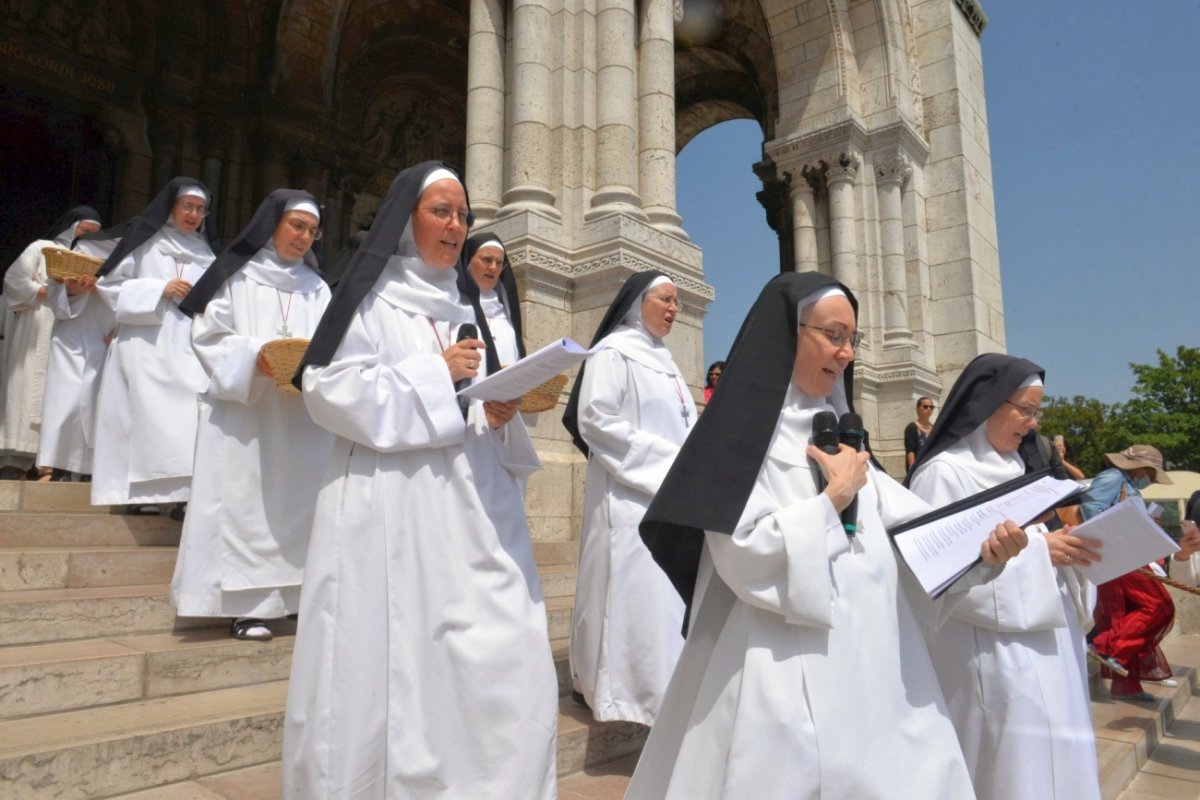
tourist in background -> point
(712, 378)
(917, 432)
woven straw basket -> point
(544, 397)
(62, 264)
(284, 356)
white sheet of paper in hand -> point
(1131, 540)
(530, 372)
(942, 550)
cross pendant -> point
(283, 331)
(683, 412)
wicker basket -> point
(284, 356)
(544, 397)
(62, 264)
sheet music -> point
(530, 372)
(941, 550)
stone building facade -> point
(567, 116)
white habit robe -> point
(77, 351)
(147, 412)
(1011, 658)
(504, 335)
(260, 459)
(805, 674)
(422, 666)
(626, 627)
(27, 352)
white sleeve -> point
(635, 457)
(22, 281)
(229, 358)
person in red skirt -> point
(1133, 612)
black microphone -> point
(825, 439)
(465, 331)
(851, 434)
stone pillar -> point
(804, 222)
(891, 172)
(656, 113)
(616, 110)
(840, 173)
(485, 108)
(530, 163)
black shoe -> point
(178, 512)
(577, 696)
(143, 510)
(251, 629)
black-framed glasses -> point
(1025, 411)
(838, 339)
(444, 214)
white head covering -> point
(303, 204)
(632, 340)
(193, 191)
(409, 283)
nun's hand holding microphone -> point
(845, 473)
(463, 358)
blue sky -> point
(1094, 122)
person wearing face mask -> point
(1134, 612)
(146, 413)
(27, 343)
(629, 411)
(259, 457)
(422, 666)
(1010, 657)
(804, 674)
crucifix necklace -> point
(683, 409)
(282, 330)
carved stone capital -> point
(677, 11)
(892, 167)
(842, 167)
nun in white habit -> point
(629, 411)
(422, 666)
(804, 674)
(260, 459)
(147, 407)
(27, 339)
(487, 268)
(78, 344)
(1011, 658)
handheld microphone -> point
(465, 331)
(851, 434)
(825, 439)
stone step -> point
(1172, 772)
(132, 747)
(55, 615)
(558, 616)
(49, 678)
(1128, 732)
(56, 497)
(23, 568)
(87, 530)
(551, 553)
(558, 580)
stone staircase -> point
(105, 693)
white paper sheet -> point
(1131, 540)
(530, 372)
(943, 549)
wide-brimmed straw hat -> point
(1140, 455)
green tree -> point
(1091, 428)
(1165, 410)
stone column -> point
(891, 172)
(616, 110)
(485, 108)
(656, 113)
(840, 173)
(804, 222)
(530, 162)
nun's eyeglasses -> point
(1025, 411)
(192, 208)
(838, 339)
(301, 229)
(444, 214)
